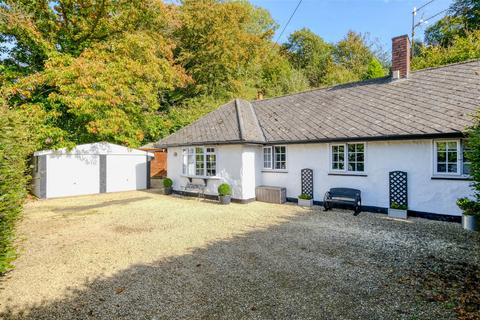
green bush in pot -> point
(167, 186)
(224, 193)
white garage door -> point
(126, 172)
(71, 175)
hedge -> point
(15, 147)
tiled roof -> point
(431, 102)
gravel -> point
(140, 255)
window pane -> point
(452, 156)
(360, 157)
(441, 167)
(452, 168)
(351, 148)
(360, 167)
(441, 156)
(351, 156)
(441, 146)
(360, 147)
(341, 166)
(452, 146)
(351, 167)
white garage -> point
(90, 168)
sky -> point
(332, 19)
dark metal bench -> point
(343, 196)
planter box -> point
(397, 213)
(271, 194)
(305, 203)
(471, 223)
(167, 190)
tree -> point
(461, 49)
(463, 17)
(96, 84)
(374, 70)
(311, 54)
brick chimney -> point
(400, 57)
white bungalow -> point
(350, 135)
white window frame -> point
(460, 161)
(272, 159)
(270, 165)
(345, 158)
(186, 154)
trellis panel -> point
(398, 188)
(307, 181)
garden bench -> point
(195, 187)
(343, 196)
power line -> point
(424, 5)
(288, 22)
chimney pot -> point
(400, 57)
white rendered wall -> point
(126, 172)
(71, 175)
(414, 157)
(229, 170)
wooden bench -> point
(343, 196)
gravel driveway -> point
(140, 255)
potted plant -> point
(224, 193)
(305, 200)
(397, 210)
(167, 186)
(471, 213)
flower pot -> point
(167, 190)
(397, 213)
(471, 223)
(224, 199)
(305, 202)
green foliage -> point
(469, 207)
(462, 48)
(15, 147)
(463, 17)
(351, 59)
(311, 54)
(224, 190)
(472, 206)
(395, 205)
(374, 70)
(305, 196)
(167, 183)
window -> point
(267, 157)
(275, 157)
(199, 161)
(348, 157)
(451, 157)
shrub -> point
(15, 147)
(305, 196)
(470, 207)
(167, 183)
(398, 206)
(224, 190)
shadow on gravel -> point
(302, 268)
(98, 205)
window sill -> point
(274, 171)
(201, 177)
(452, 177)
(349, 174)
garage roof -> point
(96, 148)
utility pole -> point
(414, 13)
